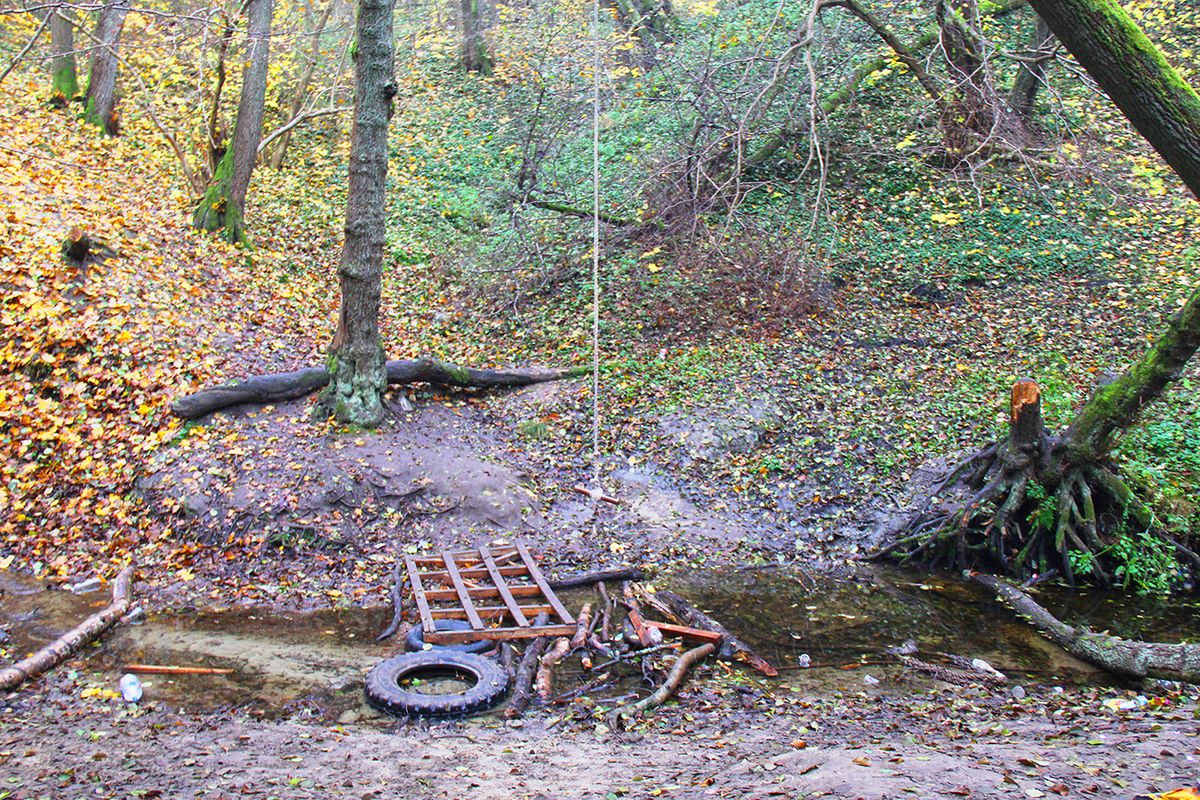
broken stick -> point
(61, 648)
(671, 685)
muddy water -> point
(312, 663)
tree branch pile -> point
(656, 648)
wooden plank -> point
(487, 612)
(483, 591)
(498, 580)
(540, 580)
(501, 555)
(515, 570)
(419, 595)
(683, 631)
(461, 589)
(493, 634)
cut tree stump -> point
(276, 388)
(61, 648)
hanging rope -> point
(594, 34)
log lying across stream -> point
(1172, 662)
(294, 385)
(61, 648)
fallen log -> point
(294, 385)
(61, 648)
(523, 681)
(1171, 662)
(670, 686)
(731, 646)
(544, 682)
(591, 578)
(583, 626)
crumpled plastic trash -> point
(131, 688)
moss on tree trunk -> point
(64, 80)
(100, 109)
(223, 206)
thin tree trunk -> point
(314, 56)
(224, 203)
(1031, 72)
(102, 77)
(475, 55)
(357, 374)
(1135, 74)
(64, 80)
(216, 133)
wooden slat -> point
(487, 612)
(494, 634)
(501, 555)
(483, 591)
(540, 580)
(498, 580)
(694, 634)
(461, 589)
(419, 595)
(514, 570)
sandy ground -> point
(901, 741)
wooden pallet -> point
(499, 591)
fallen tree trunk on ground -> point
(61, 648)
(294, 385)
(1172, 662)
(591, 578)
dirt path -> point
(931, 743)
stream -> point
(312, 663)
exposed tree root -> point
(294, 385)
(1172, 662)
(1028, 507)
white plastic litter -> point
(131, 688)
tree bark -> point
(1031, 72)
(731, 646)
(61, 648)
(522, 691)
(224, 203)
(1135, 74)
(64, 80)
(101, 94)
(357, 375)
(1173, 662)
(475, 55)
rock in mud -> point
(707, 434)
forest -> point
(831, 361)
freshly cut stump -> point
(384, 691)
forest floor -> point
(729, 445)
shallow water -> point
(312, 663)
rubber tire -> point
(414, 640)
(383, 684)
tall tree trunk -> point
(64, 81)
(1031, 72)
(310, 66)
(475, 55)
(357, 374)
(224, 203)
(1135, 74)
(216, 131)
(102, 76)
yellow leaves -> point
(100, 693)
(907, 141)
(948, 219)
(185, 575)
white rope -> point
(594, 34)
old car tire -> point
(414, 641)
(383, 688)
